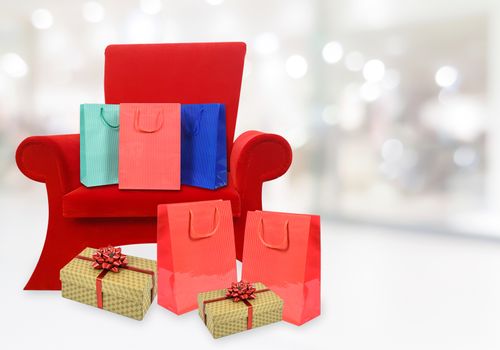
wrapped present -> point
(107, 279)
(242, 306)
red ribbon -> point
(230, 295)
(109, 258)
(241, 291)
(99, 278)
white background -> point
(380, 290)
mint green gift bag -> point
(99, 124)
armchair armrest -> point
(257, 157)
(54, 160)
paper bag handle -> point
(286, 238)
(137, 126)
(192, 232)
(101, 114)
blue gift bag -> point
(203, 145)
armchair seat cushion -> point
(110, 202)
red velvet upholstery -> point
(80, 217)
(182, 73)
(110, 202)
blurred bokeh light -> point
(390, 106)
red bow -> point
(109, 258)
(241, 291)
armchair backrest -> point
(184, 73)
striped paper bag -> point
(149, 146)
(203, 143)
(99, 125)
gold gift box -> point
(225, 317)
(126, 292)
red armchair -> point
(186, 73)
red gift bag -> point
(283, 251)
(149, 155)
(196, 252)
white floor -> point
(381, 290)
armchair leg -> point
(239, 235)
(58, 249)
(66, 238)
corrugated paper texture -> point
(283, 251)
(195, 252)
(203, 144)
(126, 293)
(150, 146)
(99, 126)
(226, 317)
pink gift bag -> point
(283, 251)
(149, 154)
(196, 252)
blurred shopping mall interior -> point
(391, 107)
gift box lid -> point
(225, 310)
(127, 284)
